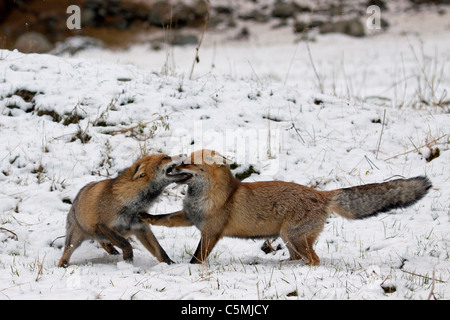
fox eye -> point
(166, 158)
(139, 173)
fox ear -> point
(140, 172)
(217, 159)
(227, 161)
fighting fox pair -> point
(220, 205)
(107, 210)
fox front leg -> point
(145, 235)
(175, 219)
(204, 248)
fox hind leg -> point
(74, 237)
(117, 240)
(294, 254)
(109, 247)
(300, 243)
(304, 245)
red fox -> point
(221, 206)
(107, 210)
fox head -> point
(154, 167)
(145, 179)
(200, 168)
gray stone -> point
(72, 45)
(286, 10)
(33, 42)
(352, 27)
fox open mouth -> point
(178, 177)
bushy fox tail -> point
(371, 199)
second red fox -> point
(219, 205)
(107, 210)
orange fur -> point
(107, 210)
(221, 206)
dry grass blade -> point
(40, 266)
(432, 289)
(434, 141)
(197, 59)
(159, 121)
(422, 276)
(381, 134)
(319, 80)
(14, 236)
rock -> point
(352, 27)
(184, 15)
(72, 45)
(5, 8)
(88, 17)
(379, 3)
(33, 42)
(117, 14)
(254, 15)
(160, 14)
(282, 10)
(418, 2)
(223, 9)
(118, 21)
(336, 9)
(300, 26)
(191, 16)
(201, 8)
(163, 13)
(243, 34)
(52, 23)
(286, 10)
(175, 39)
(184, 40)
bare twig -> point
(416, 148)
(381, 134)
(161, 118)
(297, 132)
(432, 79)
(314, 68)
(51, 243)
(15, 237)
(432, 289)
(292, 60)
(197, 59)
(40, 265)
(422, 276)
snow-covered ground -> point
(374, 108)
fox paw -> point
(145, 217)
(63, 263)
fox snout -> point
(176, 173)
(174, 161)
(178, 159)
